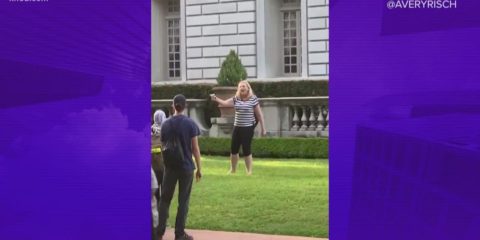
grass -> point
(285, 197)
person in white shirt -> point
(155, 188)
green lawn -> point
(287, 197)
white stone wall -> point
(210, 28)
(317, 32)
(213, 27)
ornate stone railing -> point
(284, 117)
(296, 116)
(195, 110)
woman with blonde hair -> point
(247, 110)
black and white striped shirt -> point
(244, 114)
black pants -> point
(170, 179)
(242, 136)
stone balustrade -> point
(296, 116)
(195, 110)
(284, 117)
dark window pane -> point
(294, 51)
(177, 56)
(294, 69)
(287, 69)
(177, 73)
(294, 42)
(171, 73)
(170, 57)
(293, 24)
(287, 60)
(293, 33)
(177, 48)
(286, 52)
(286, 42)
(294, 60)
(170, 65)
(177, 65)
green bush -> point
(262, 89)
(211, 108)
(197, 91)
(305, 88)
(270, 147)
(232, 71)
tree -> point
(232, 71)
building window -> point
(173, 6)
(173, 48)
(173, 36)
(291, 37)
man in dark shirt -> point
(186, 131)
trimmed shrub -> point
(270, 147)
(232, 71)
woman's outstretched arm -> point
(222, 103)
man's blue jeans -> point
(170, 178)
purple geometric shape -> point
(24, 83)
(74, 89)
(413, 172)
(405, 21)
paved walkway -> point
(216, 235)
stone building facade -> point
(275, 39)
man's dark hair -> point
(179, 102)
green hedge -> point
(261, 89)
(197, 91)
(270, 147)
(290, 89)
